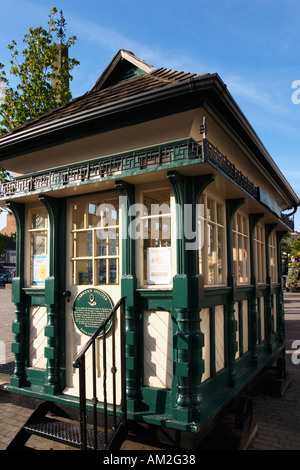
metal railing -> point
(79, 362)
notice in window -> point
(39, 269)
(159, 265)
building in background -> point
(8, 261)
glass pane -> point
(78, 211)
(103, 214)
(113, 244)
(220, 256)
(220, 214)
(210, 210)
(157, 202)
(83, 272)
(211, 254)
(94, 216)
(39, 243)
(113, 271)
(82, 244)
(102, 271)
(39, 220)
(101, 240)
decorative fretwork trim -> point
(122, 165)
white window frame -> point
(273, 256)
(94, 257)
(240, 243)
(260, 253)
(41, 261)
(214, 272)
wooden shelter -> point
(152, 187)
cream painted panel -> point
(205, 329)
(146, 134)
(37, 338)
(157, 349)
(219, 340)
(72, 385)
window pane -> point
(102, 271)
(82, 244)
(157, 202)
(220, 214)
(211, 232)
(220, 249)
(113, 271)
(101, 239)
(156, 236)
(39, 220)
(83, 272)
(92, 241)
(210, 210)
(78, 211)
(39, 243)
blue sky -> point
(252, 44)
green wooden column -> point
(280, 303)
(128, 289)
(232, 206)
(54, 287)
(269, 299)
(19, 328)
(253, 221)
(187, 290)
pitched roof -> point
(113, 86)
(130, 90)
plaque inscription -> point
(91, 307)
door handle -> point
(67, 294)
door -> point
(93, 278)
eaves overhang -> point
(173, 98)
(165, 100)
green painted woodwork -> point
(253, 221)
(269, 297)
(188, 339)
(19, 328)
(232, 205)
(280, 303)
(54, 287)
(128, 289)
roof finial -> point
(61, 28)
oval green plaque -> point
(91, 307)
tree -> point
(42, 78)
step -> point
(64, 432)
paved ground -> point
(278, 419)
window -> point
(211, 220)
(95, 242)
(273, 257)
(259, 253)
(240, 236)
(156, 237)
(38, 234)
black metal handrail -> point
(79, 362)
